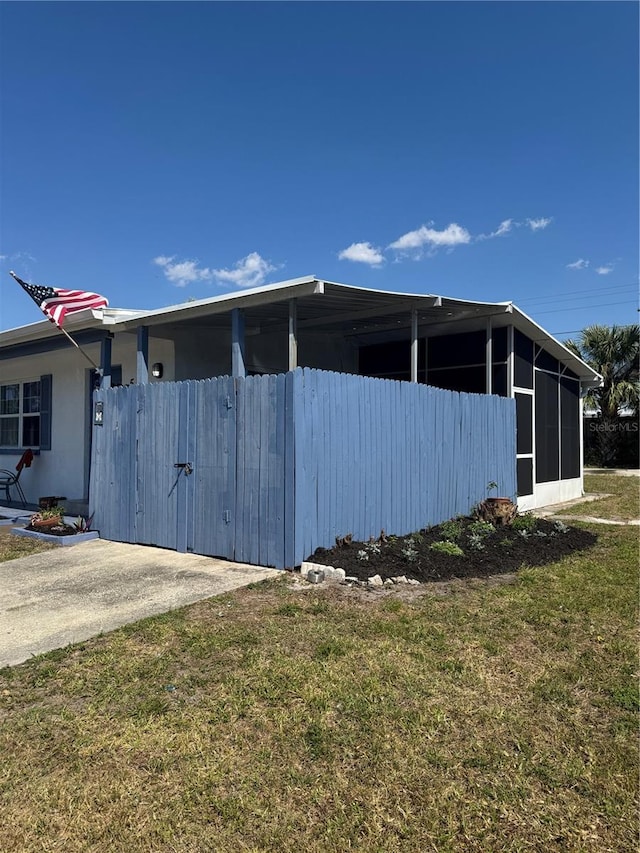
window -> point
(25, 414)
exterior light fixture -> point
(157, 370)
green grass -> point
(623, 503)
(495, 718)
(12, 547)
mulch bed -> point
(503, 550)
(56, 530)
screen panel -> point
(569, 429)
(524, 470)
(457, 350)
(524, 423)
(470, 379)
(547, 428)
(523, 360)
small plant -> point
(363, 555)
(409, 552)
(447, 547)
(416, 538)
(52, 512)
(373, 548)
(560, 527)
(82, 524)
(476, 542)
(491, 485)
(524, 534)
(541, 534)
(480, 528)
(526, 522)
(451, 530)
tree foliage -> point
(613, 351)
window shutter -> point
(45, 411)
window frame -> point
(43, 414)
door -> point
(185, 466)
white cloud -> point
(504, 228)
(580, 264)
(538, 224)
(182, 273)
(453, 235)
(604, 270)
(247, 272)
(363, 253)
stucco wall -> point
(63, 470)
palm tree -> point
(614, 352)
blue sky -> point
(154, 152)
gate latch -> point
(187, 466)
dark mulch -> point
(503, 550)
(56, 530)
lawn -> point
(470, 716)
(623, 503)
(12, 547)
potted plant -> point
(46, 518)
(496, 510)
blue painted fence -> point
(283, 464)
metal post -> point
(105, 362)
(237, 343)
(489, 358)
(293, 334)
(510, 361)
(142, 357)
(414, 345)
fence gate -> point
(193, 466)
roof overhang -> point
(321, 306)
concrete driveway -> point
(67, 595)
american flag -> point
(57, 303)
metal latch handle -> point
(187, 466)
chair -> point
(8, 478)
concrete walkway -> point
(66, 595)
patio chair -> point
(9, 479)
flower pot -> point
(46, 523)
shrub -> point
(409, 552)
(447, 547)
(524, 522)
(451, 530)
(480, 528)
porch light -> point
(157, 370)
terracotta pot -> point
(498, 500)
(46, 523)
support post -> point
(105, 362)
(293, 334)
(237, 343)
(414, 345)
(510, 361)
(142, 357)
(489, 358)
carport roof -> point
(321, 306)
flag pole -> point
(78, 347)
(60, 329)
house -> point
(46, 385)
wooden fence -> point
(271, 467)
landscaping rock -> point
(375, 582)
